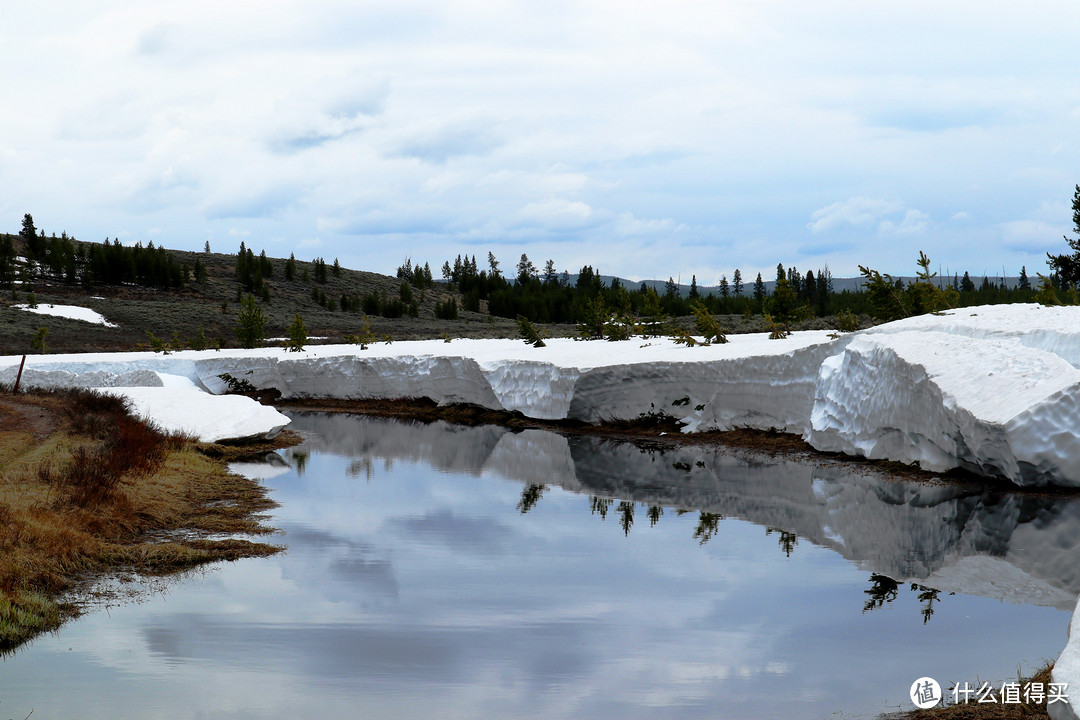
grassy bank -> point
(86, 489)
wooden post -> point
(19, 376)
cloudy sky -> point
(646, 139)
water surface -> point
(442, 571)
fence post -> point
(19, 376)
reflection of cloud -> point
(471, 534)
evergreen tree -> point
(251, 323)
(297, 335)
(693, 287)
(525, 270)
(736, 283)
(35, 243)
(549, 272)
(493, 265)
(1024, 283)
(40, 340)
(966, 285)
(1065, 266)
(337, 268)
(725, 290)
(759, 289)
(290, 267)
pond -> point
(444, 571)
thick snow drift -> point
(991, 406)
(1053, 329)
(749, 382)
(208, 418)
(72, 312)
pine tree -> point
(966, 285)
(251, 327)
(297, 335)
(40, 341)
(725, 289)
(693, 287)
(525, 270)
(759, 289)
(736, 283)
(1024, 283)
(1066, 266)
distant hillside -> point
(212, 305)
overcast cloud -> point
(647, 139)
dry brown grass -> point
(85, 489)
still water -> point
(436, 571)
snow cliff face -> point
(991, 406)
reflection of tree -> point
(626, 516)
(787, 540)
(707, 525)
(360, 466)
(300, 458)
(927, 596)
(882, 590)
(655, 512)
(530, 496)
(600, 506)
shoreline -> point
(89, 493)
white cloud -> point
(857, 211)
(914, 222)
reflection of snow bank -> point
(72, 312)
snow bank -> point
(1067, 670)
(1052, 329)
(749, 382)
(991, 406)
(72, 312)
(208, 418)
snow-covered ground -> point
(72, 312)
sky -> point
(646, 139)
